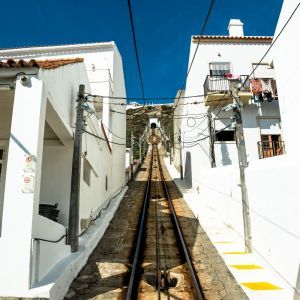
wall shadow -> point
(188, 169)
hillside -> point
(138, 118)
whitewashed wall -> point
(272, 182)
(241, 56)
(57, 92)
(287, 69)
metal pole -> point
(180, 155)
(211, 142)
(242, 156)
(75, 177)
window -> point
(219, 68)
(87, 170)
(225, 136)
(223, 133)
(271, 145)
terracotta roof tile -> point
(232, 38)
(43, 64)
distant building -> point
(38, 93)
(154, 122)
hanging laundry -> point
(267, 86)
(256, 86)
(258, 97)
(230, 76)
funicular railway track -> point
(162, 267)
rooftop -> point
(241, 39)
(51, 48)
(43, 64)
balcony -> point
(217, 85)
(270, 148)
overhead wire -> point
(248, 76)
(196, 50)
(103, 139)
(136, 49)
(272, 44)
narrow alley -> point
(164, 272)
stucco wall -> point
(241, 56)
(287, 68)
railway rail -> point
(148, 255)
(162, 265)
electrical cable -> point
(101, 210)
(197, 47)
(52, 241)
(146, 98)
(136, 50)
(100, 138)
(272, 44)
(268, 50)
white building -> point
(37, 119)
(271, 182)
(216, 56)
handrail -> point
(220, 83)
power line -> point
(147, 98)
(195, 53)
(102, 139)
(272, 44)
(136, 50)
(95, 114)
(263, 57)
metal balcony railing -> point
(269, 149)
(220, 83)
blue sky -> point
(163, 30)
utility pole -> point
(242, 156)
(180, 155)
(131, 154)
(75, 179)
(211, 142)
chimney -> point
(236, 28)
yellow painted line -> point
(223, 242)
(261, 286)
(235, 252)
(246, 267)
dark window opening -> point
(225, 136)
(153, 125)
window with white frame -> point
(219, 68)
